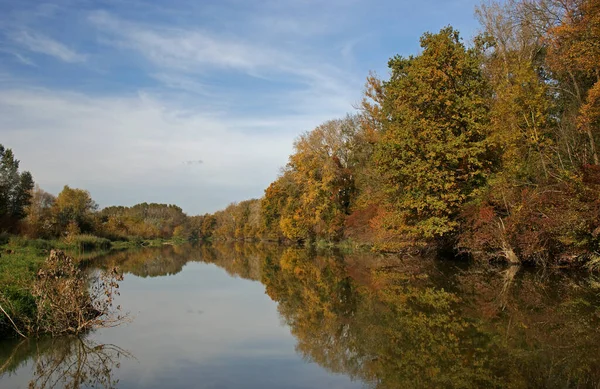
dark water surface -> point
(251, 316)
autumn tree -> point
(276, 203)
(539, 207)
(313, 196)
(520, 106)
(574, 59)
(143, 220)
(208, 226)
(433, 152)
(39, 222)
(76, 207)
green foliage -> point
(74, 207)
(15, 188)
(434, 152)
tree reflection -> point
(392, 330)
(407, 323)
(66, 362)
(239, 259)
(149, 262)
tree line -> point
(488, 148)
(28, 210)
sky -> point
(190, 102)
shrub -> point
(549, 225)
(65, 304)
(62, 300)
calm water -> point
(264, 317)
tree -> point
(433, 152)
(520, 105)
(313, 196)
(574, 58)
(74, 205)
(39, 214)
(15, 190)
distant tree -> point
(143, 220)
(74, 206)
(208, 226)
(15, 190)
(314, 194)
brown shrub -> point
(70, 301)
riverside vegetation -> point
(487, 150)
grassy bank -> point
(21, 258)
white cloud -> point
(138, 143)
(39, 43)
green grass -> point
(86, 242)
(18, 267)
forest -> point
(487, 149)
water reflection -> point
(67, 362)
(162, 261)
(383, 321)
(408, 323)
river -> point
(262, 316)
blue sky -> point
(190, 102)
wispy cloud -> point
(39, 43)
(19, 57)
(293, 80)
(194, 51)
(24, 60)
(184, 49)
(181, 82)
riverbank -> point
(21, 258)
